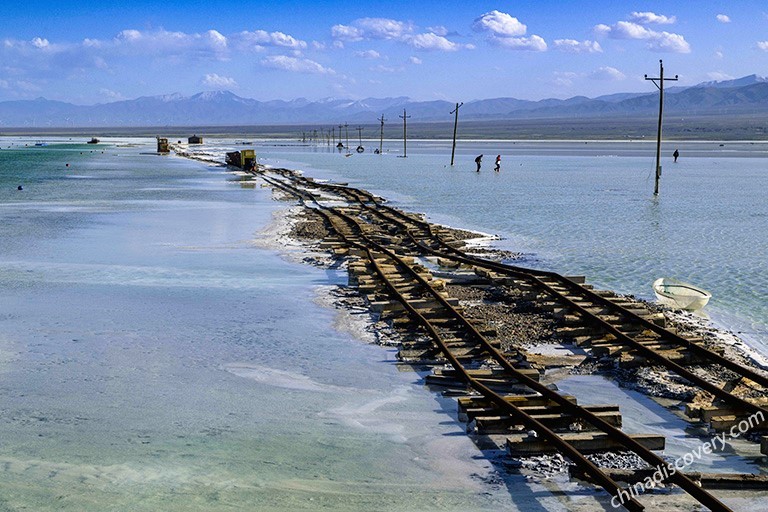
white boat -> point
(680, 295)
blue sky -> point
(104, 51)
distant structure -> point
(244, 159)
(93, 140)
(162, 145)
(195, 140)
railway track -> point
(389, 245)
(621, 330)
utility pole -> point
(342, 145)
(455, 125)
(381, 134)
(333, 136)
(346, 133)
(405, 139)
(360, 138)
(660, 86)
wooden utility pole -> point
(359, 138)
(405, 138)
(346, 135)
(333, 136)
(381, 134)
(660, 86)
(455, 125)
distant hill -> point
(743, 96)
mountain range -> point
(743, 96)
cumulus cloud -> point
(655, 41)
(533, 43)
(646, 18)
(723, 18)
(367, 29)
(346, 33)
(432, 42)
(414, 60)
(506, 31)
(39, 42)
(219, 82)
(607, 73)
(763, 45)
(295, 65)
(573, 46)
(499, 24)
(258, 39)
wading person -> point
(498, 163)
(478, 160)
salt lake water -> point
(153, 357)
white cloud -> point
(723, 18)
(383, 28)
(366, 29)
(260, 38)
(763, 45)
(607, 73)
(414, 60)
(647, 18)
(346, 33)
(655, 41)
(499, 24)
(432, 42)
(368, 54)
(163, 44)
(296, 65)
(216, 40)
(573, 46)
(439, 30)
(533, 43)
(504, 30)
(40, 43)
(219, 82)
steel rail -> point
(589, 295)
(679, 479)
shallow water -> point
(152, 357)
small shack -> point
(195, 140)
(162, 145)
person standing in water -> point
(477, 161)
(498, 163)
(676, 154)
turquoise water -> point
(153, 358)
(588, 208)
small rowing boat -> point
(680, 295)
